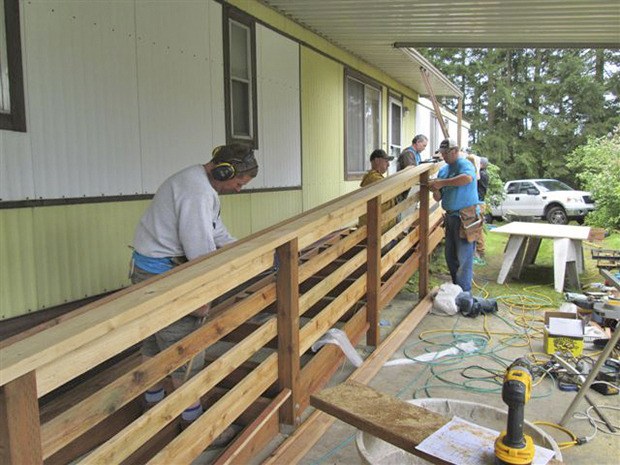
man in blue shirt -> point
(456, 187)
(412, 155)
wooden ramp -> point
(74, 386)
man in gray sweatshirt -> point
(182, 223)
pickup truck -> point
(549, 199)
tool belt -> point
(176, 261)
(471, 223)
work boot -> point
(152, 398)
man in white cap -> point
(456, 187)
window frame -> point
(15, 119)
(350, 175)
(232, 14)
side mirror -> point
(532, 191)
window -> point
(363, 123)
(12, 115)
(240, 78)
(513, 188)
(525, 187)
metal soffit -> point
(380, 31)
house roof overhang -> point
(381, 31)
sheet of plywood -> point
(550, 231)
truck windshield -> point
(550, 185)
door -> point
(395, 123)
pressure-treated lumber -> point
(20, 432)
(316, 263)
(373, 273)
(331, 314)
(318, 371)
(327, 283)
(87, 413)
(311, 430)
(334, 253)
(197, 437)
(129, 440)
(424, 264)
(398, 422)
(288, 330)
(245, 446)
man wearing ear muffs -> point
(182, 223)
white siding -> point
(16, 174)
(121, 94)
(428, 125)
(82, 98)
(175, 88)
(279, 131)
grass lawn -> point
(535, 281)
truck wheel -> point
(557, 215)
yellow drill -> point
(512, 447)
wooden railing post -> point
(373, 269)
(423, 267)
(287, 288)
(20, 427)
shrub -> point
(495, 192)
(597, 167)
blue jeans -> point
(459, 254)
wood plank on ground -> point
(398, 422)
(384, 416)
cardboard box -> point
(563, 333)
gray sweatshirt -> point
(183, 218)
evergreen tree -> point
(530, 108)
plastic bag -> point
(444, 302)
(339, 337)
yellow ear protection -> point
(223, 171)
(226, 170)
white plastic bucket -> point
(374, 451)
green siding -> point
(82, 250)
(53, 255)
(270, 208)
(322, 119)
(248, 213)
(409, 124)
(17, 263)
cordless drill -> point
(512, 447)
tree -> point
(529, 108)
